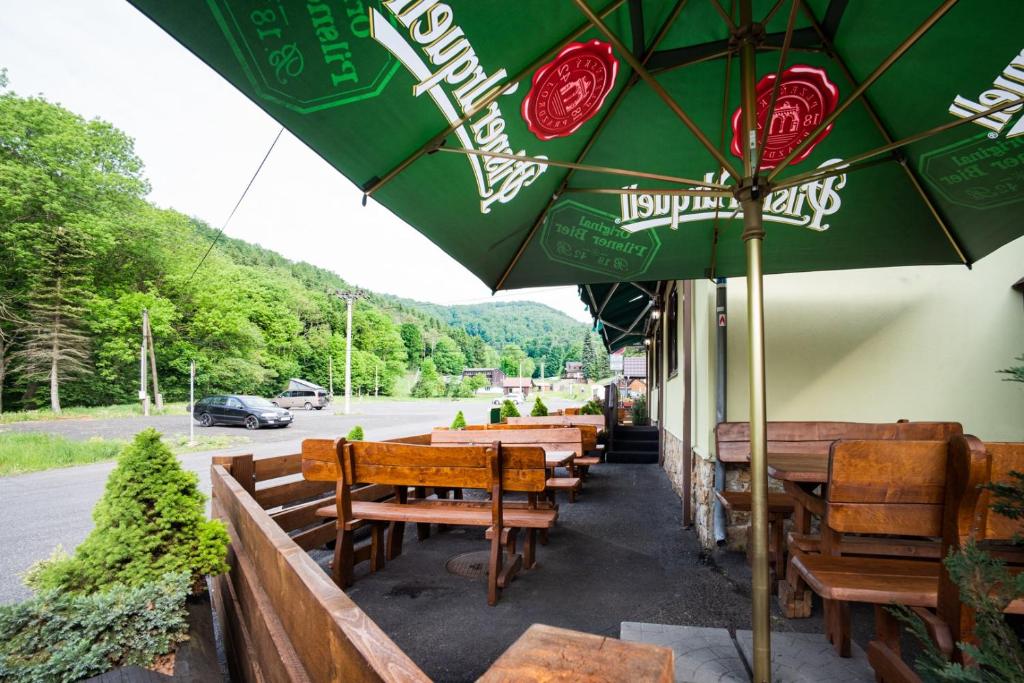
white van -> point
(308, 399)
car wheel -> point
(205, 420)
(308, 406)
(252, 423)
(319, 407)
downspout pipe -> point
(721, 358)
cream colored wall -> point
(922, 343)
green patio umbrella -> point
(544, 142)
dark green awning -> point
(622, 311)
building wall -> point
(879, 345)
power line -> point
(237, 204)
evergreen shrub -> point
(60, 636)
(355, 434)
(539, 409)
(508, 409)
(151, 521)
(459, 422)
(592, 407)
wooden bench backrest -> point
(399, 464)
(732, 439)
(887, 487)
(587, 431)
(565, 420)
(554, 439)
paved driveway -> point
(44, 509)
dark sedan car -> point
(251, 411)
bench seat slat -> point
(441, 512)
(740, 501)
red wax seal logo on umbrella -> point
(806, 96)
(570, 89)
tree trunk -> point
(54, 383)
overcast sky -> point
(201, 141)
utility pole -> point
(349, 296)
(330, 375)
(148, 331)
(143, 396)
(376, 385)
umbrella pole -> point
(750, 194)
(753, 235)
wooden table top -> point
(557, 458)
(546, 653)
(799, 467)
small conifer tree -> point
(539, 409)
(459, 422)
(151, 521)
(508, 409)
(355, 434)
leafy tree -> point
(412, 337)
(474, 383)
(592, 407)
(151, 521)
(355, 434)
(508, 409)
(513, 358)
(459, 422)
(459, 388)
(539, 409)
(448, 357)
(429, 384)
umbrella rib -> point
(771, 13)
(775, 86)
(725, 17)
(642, 71)
(721, 143)
(587, 147)
(635, 322)
(842, 167)
(607, 298)
(670, 192)
(376, 184)
(900, 50)
(911, 174)
(581, 167)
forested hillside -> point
(82, 254)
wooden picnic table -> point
(546, 653)
(800, 474)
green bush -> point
(1016, 374)
(508, 409)
(58, 636)
(640, 414)
(151, 521)
(355, 434)
(429, 384)
(539, 409)
(459, 422)
(592, 407)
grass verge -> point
(94, 413)
(24, 453)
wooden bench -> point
(550, 439)
(876, 488)
(967, 516)
(780, 508)
(732, 446)
(494, 468)
(588, 431)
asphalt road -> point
(46, 509)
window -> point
(672, 320)
(234, 403)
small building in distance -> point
(634, 367)
(520, 384)
(495, 377)
(573, 370)
(542, 385)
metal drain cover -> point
(471, 565)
